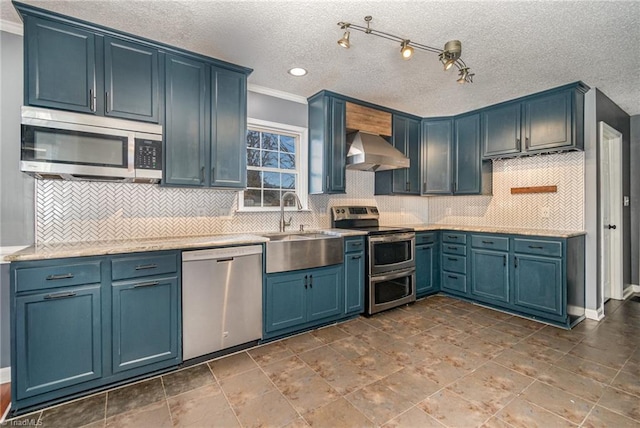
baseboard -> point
(628, 291)
(5, 374)
(593, 314)
(575, 310)
(636, 288)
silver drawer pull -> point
(63, 276)
(146, 284)
(59, 295)
(536, 247)
(149, 266)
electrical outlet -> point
(626, 201)
(545, 212)
(201, 212)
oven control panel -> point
(354, 213)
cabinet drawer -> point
(460, 250)
(454, 282)
(38, 278)
(425, 238)
(534, 246)
(490, 242)
(134, 267)
(454, 263)
(454, 238)
(353, 245)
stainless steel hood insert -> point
(371, 152)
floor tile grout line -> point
(166, 399)
(222, 391)
(551, 411)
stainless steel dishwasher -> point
(221, 299)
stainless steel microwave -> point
(72, 146)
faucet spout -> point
(283, 223)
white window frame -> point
(302, 169)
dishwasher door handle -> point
(230, 259)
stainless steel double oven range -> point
(391, 264)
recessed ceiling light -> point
(297, 71)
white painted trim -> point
(11, 27)
(592, 314)
(627, 291)
(6, 412)
(636, 288)
(5, 375)
(276, 93)
(575, 310)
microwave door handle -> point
(131, 152)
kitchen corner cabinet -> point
(402, 181)
(427, 264)
(354, 275)
(302, 299)
(83, 323)
(451, 158)
(550, 121)
(72, 68)
(205, 126)
(327, 144)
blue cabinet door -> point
(58, 339)
(406, 138)
(145, 322)
(548, 122)
(337, 147)
(60, 66)
(490, 275)
(131, 80)
(185, 130)
(501, 130)
(354, 282)
(228, 129)
(427, 270)
(285, 301)
(538, 284)
(324, 295)
(437, 141)
(467, 155)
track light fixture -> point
(449, 56)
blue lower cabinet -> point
(354, 275)
(58, 340)
(538, 284)
(145, 322)
(302, 299)
(490, 275)
(427, 269)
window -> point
(276, 163)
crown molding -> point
(276, 93)
(11, 27)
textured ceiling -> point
(514, 48)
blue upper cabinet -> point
(131, 80)
(186, 122)
(74, 68)
(549, 121)
(405, 138)
(452, 164)
(437, 141)
(501, 130)
(327, 144)
(60, 66)
(228, 129)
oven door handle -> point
(393, 237)
(393, 275)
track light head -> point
(465, 76)
(406, 50)
(344, 41)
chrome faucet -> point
(284, 224)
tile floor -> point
(439, 362)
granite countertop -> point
(101, 248)
(495, 229)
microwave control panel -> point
(148, 154)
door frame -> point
(611, 150)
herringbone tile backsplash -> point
(92, 211)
